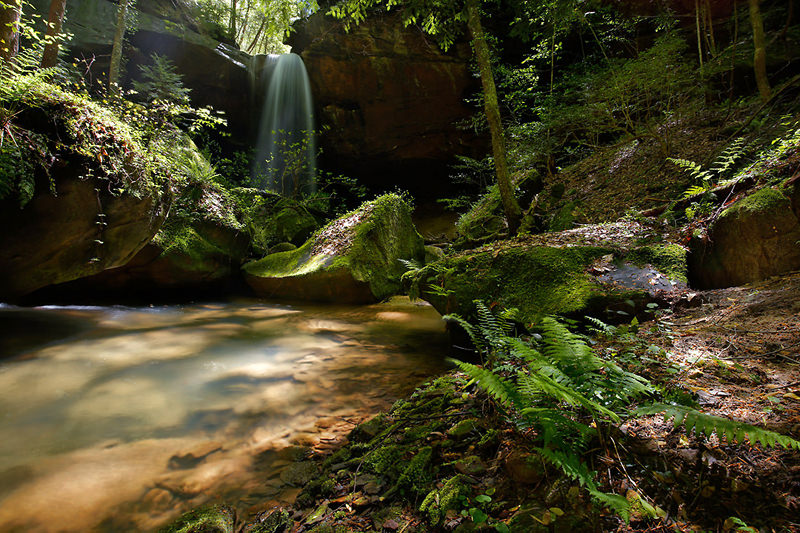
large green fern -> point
(562, 382)
(706, 424)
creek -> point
(121, 418)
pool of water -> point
(120, 418)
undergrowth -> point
(553, 382)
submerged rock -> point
(612, 268)
(755, 238)
(354, 259)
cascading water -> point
(285, 150)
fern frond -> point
(600, 327)
(531, 384)
(495, 386)
(571, 465)
(566, 348)
(489, 325)
(412, 265)
(472, 331)
(732, 430)
(694, 190)
(727, 159)
(694, 169)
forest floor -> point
(735, 352)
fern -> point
(563, 380)
(495, 386)
(728, 158)
(706, 424)
(694, 190)
(695, 171)
(703, 178)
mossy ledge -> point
(561, 273)
(354, 259)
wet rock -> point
(212, 519)
(354, 259)
(79, 231)
(753, 239)
(298, 474)
(607, 270)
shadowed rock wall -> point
(388, 101)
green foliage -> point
(703, 179)
(559, 381)
(160, 82)
(731, 430)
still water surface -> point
(120, 418)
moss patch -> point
(354, 258)
(669, 259)
(763, 201)
(536, 280)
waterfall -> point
(285, 158)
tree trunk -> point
(760, 55)
(116, 50)
(54, 22)
(492, 109)
(232, 25)
(10, 14)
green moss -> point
(366, 242)
(669, 259)
(536, 280)
(385, 460)
(417, 477)
(212, 519)
(438, 501)
(463, 427)
(763, 201)
(182, 239)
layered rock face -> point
(388, 101)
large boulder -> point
(354, 259)
(755, 238)
(78, 192)
(388, 100)
(80, 230)
(605, 269)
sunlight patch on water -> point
(129, 416)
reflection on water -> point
(119, 418)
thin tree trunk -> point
(10, 15)
(54, 22)
(116, 50)
(760, 54)
(232, 25)
(697, 29)
(510, 206)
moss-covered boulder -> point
(79, 191)
(755, 238)
(615, 268)
(354, 259)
